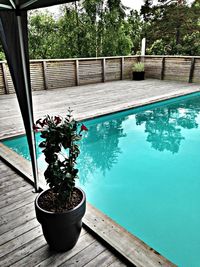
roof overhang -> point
(29, 4)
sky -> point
(133, 4)
(136, 4)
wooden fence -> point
(61, 73)
(176, 68)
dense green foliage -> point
(60, 134)
(172, 27)
(138, 67)
(93, 28)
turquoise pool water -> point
(142, 168)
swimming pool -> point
(141, 168)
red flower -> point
(35, 128)
(57, 120)
(84, 128)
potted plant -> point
(138, 71)
(60, 208)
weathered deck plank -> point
(58, 258)
(14, 192)
(18, 197)
(18, 230)
(85, 256)
(21, 239)
(16, 213)
(104, 259)
(89, 100)
(16, 205)
(13, 223)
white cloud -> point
(134, 4)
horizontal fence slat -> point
(196, 73)
(62, 73)
(113, 69)
(128, 65)
(90, 71)
(153, 67)
(11, 88)
(177, 69)
(2, 80)
(37, 77)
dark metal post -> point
(5, 78)
(191, 70)
(103, 70)
(163, 69)
(28, 99)
(122, 68)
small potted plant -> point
(138, 71)
(60, 208)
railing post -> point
(122, 68)
(191, 70)
(5, 80)
(162, 69)
(77, 72)
(103, 70)
(44, 64)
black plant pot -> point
(61, 230)
(138, 76)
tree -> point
(171, 32)
(42, 35)
(93, 32)
(116, 39)
(136, 30)
(163, 125)
(101, 149)
(93, 28)
(146, 10)
(68, 39)
(116, 5)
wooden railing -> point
(61, 73)
(177, 68)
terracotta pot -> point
(61, 230)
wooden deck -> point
(21, 239)
(90, 100)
